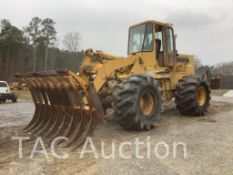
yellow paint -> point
(168, 75)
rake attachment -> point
(64, 106)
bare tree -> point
(224, 69)
(72, 41)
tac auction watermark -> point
(135, 149)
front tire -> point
(137, 102)
(192, 96)
(14, 100)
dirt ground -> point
(209, 141)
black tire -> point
(187, 96)
(14, 100)
(106, 99)
(126, 102)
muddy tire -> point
(137, 102)
(192, 96)
(14, 100)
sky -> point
(204, 27)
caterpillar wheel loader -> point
(70, 104)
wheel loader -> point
(70, 104)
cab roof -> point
(154, 22)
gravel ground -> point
(229, 94)
(208, 139)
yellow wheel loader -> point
(70, 104)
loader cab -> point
(155, 41)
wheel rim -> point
(201, 96)
(147, 103)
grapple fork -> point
(64, 106)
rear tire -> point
(137, 102)
(14, 100)
(192, 96)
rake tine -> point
(47, 126)
(74, 126)
(55, 108)
(54, 128)
(75, 102)
(34, 118)
(35, 100)
(69, 129)
(40, 119)
(59, 128)
(86, 125)
(59, 117)
(50, 113)
(76, 132)
(43, 117)
(66, 113)
(39, 105)
(81, 129)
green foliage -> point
(12, 45)
(11, 37)
(66, 59)
(11, 40)
(19, 48)
(48, 31)
(33, 31)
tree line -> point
(223, 69)
(219, 70)
(33, 48)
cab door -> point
(170, 48)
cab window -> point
(3, 84)
(170, 40)
(140, 38)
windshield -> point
(3, 84)
(140, 38)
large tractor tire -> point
(192, 96)
(14, 100)
(137, 102)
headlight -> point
(88, 68)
